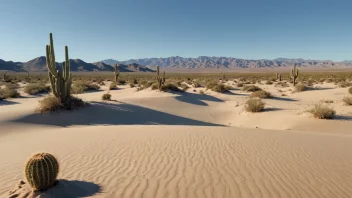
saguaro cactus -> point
(116, 72)
(41, 171)
(161, 80)
(6, 77)
(278, 76)
(294, 74)
(60, 80)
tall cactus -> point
(116, 72)
(41, 171)
(161, 80)
(278, 76)
(294, 74)
(6, 77)
(60, 80)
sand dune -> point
(151, 144)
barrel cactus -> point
(41, 171)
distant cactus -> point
(116, 72)
(278, 76)
(294, 74)
(60, 80)
(161, 80)
(6, 77)
(41, 171)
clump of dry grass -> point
(121, 82)
(106, 96)
(51, 104)
(217, 87)
(36, 88)
(202, 92)
(82, 86)
(112, 86)
(184, 87)
(300, 87)
(350, 90)
(261, 94)
(239, 84)
(251, 88)
(196, 84)
(327, 101)
(347, 100)
(282, 84)
(254, 105)
(9, 92)
(170, 87)
(321, 111)
(343, 84)
(269, 82)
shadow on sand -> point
(283, 99)
(72, 189)
(342, 117)
(100, 113)
(7, 102)
(196, 99)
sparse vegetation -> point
(300, 87)
(261, 94)
(9, 92)
(321, 111)
(254, 105)
(112, 86)
(347, 100)
(294, 75)
(202, 92)
(36, 88)
(343, 84)
(170, 87)
(217, 87)
(52, 103)
(80, 87)
(106, 96)
(251, 88)
(350, 90)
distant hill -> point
(206, 62)
(36, 65)
(11, 66)
(103, 67)
(134, 67)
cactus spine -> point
(116, 72)
(60, 80)
(41, 171)
(278, 76)
(294, 74)
(161, 80)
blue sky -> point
(126, 29)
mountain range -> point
(175, 62)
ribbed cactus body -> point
(60, 80)
(41, 171)
(278, 76)
(161, 80)
(116, 72)
(294, 74)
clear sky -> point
(124, 29)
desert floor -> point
(151, 144)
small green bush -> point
(322, 112)
(254, 105)
(36, 88)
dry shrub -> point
(202, 92)
(254, 105)
(106, 96)
(327, 101)
(36, 88)
(300, 87)
(239, 85)
(217, 87)
(184, 87)
(343, 84)
(121, 82)
(322, 112)
(112, 86)
(82, 86)
(9, 92)
(347, 100)
(251, 88)
(196, 84)
(282, 84)
(154, 86)
(310, 82)
(269, 82)
(170, 87)
(261, 94)
(51, 104)
(350, 90)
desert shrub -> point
(36, 88)
(102, 83)
(239, 85)
(327, 101)
(170, 87)
(9, 92)
(347, 100)
(217, 87)
(184, 87)
(112, 86)
(132, 84)
(328, 80)
(343, 84)
(51, 103)
(300, 87)
(82, 86)
(251, 88)
(121, 82)
(254, 105)
(269, 82)
(228, 87)
(310, 82)
(322, 112)
(282, 84)
(350, 90)
(106, 96)
(261, 94)
(196, 84)
(145, 85)
(154, 86)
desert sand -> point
(151, 144)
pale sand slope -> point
(199, 158)
(183, 161)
